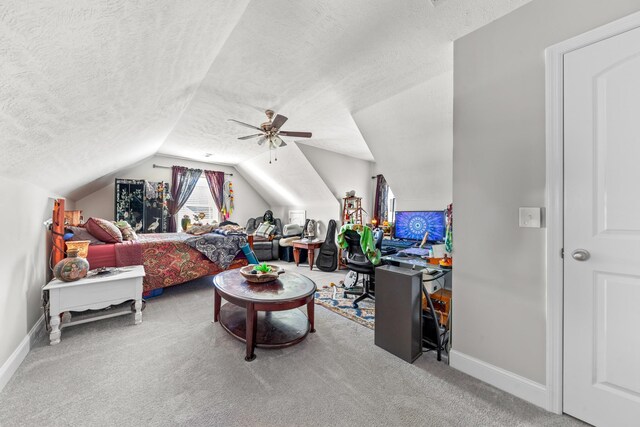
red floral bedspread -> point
(168, 260)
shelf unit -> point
(352, 209)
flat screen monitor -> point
(411, 225)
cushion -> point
(198, 230)
(265, 230)
(126, 230)
(104, 230)
(288, 241)
(292, 230)
(80, 233)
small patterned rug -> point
(336, 302)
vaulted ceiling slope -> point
(95, 86)
(89, 87)
(317, 62)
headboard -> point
(57, 230)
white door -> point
(602, 217)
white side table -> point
(94, 293)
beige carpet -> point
(177, 368)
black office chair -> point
(358, 262)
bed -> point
(168, 258)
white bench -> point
(94, 292)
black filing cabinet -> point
(399, 311)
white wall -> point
(100, 203)
(498, 166)
(291, 183)
(23, 260)
(410, 136)
(343, 173)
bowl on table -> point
(258, 276)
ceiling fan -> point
(270, 131)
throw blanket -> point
(366, 241)
(168, 260)
(218, 248)
(229, 230)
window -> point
(200, 201)
(391, 206)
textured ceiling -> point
(316, 62)
(96, 86)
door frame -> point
(554, 76)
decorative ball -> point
(71, 268)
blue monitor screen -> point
(412, 225)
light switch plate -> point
(530, 217)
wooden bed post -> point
(57, 230)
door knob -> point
(581, 254)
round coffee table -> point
(264, 314)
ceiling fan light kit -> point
(270, 131)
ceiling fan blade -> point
(278, 121)
(295, 134)
(262, 140)
(245, 124)
(251, 136)
(284, 144)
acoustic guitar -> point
(328, 257)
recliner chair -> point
(358, 262)
(266, 249)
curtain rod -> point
(169, 167)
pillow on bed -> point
(80, 233)
(104, 230)
(126, 230)
(265, 230)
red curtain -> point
(215, 180)
(380, 208)
(183, 181)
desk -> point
(419, 263)
(310, 246)
(436, 273)
(412, 261)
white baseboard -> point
(13, 362)
(521, 387)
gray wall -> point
(101, 203)
(409, 135)
(23, 260)
(342, 174)
(498, 166)
(292, 182)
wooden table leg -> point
(296, 255)
(217, 301)
(311, 315)
(311, 253)
(252, 326)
